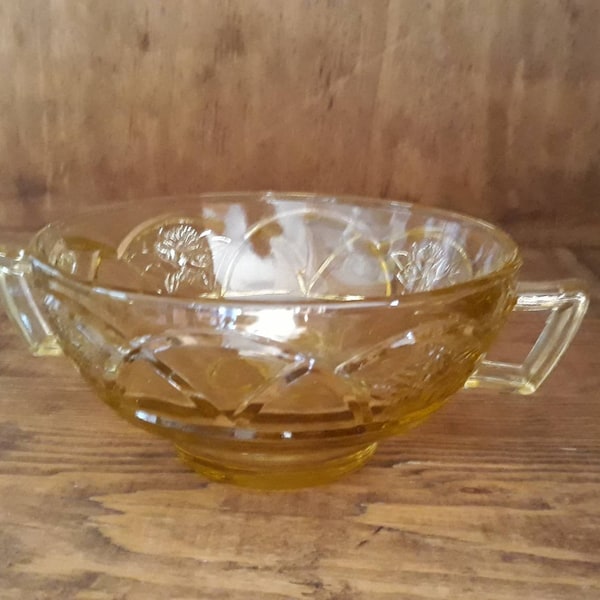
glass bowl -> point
(275, 338)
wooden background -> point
(492, 108)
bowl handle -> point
(567, 301)
(18, 300)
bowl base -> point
(274, 474)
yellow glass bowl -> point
(276, 338)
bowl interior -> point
(271, 246)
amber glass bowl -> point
(276, 338)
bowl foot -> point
(265, 472)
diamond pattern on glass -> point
(277, 369)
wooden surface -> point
(495, 498)
(487, 107)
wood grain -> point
(495, 497)
(489, 108)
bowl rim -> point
(509, 267)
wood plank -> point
(489, 109)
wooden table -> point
(496, 497)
